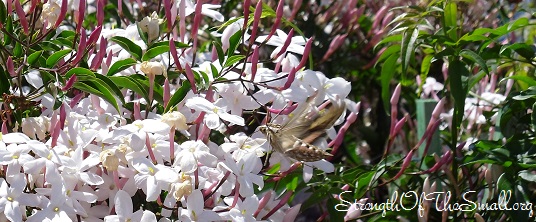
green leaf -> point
(425, 66)
(32, 58)
(128, 45)
(79, 70)
(450, 15)
(234, 40)
(458, 87)
(179, 95)
(111, 86)
(17, 51)
(155, 51)
(387, 74)
(177, 44)
(3, 12)
(520, 48)
(231, 60)
(54, 58)
(466, 53)
(129, 83)
(5, 84)
(219, 49)
(408, 47)
(99, 90)
(528, 80)
(9, 28)
(388, 52)
(143, 35)
(121, 65)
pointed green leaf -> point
(234, 41)
(111, 86)
(466, 53)
(179, 95)
(129, 83)
(120, 66)
(231, 60)
(32, 58)
(54, 58)
(128, 45)
(79, 70)
(99, 90)
(155, 51)
(408, 47)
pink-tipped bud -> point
(396, 95)
(55, 135)
(405, 164)
(334, 45)
(76, 99)
(137, 111)
(285, 44)
(398, 126)
(4, 125)
(167, 10)
(9, 5)
(256, 20)
(437, 110)
(81, 12)
(190, 77)
(281, 203)
(81, 48)
(94, 36)
(306, 52)
(378, 17)
(284, 111)
(254, 62)
(295, 8)
(100, 12)
(97, 60)
(63, 116)
(262, 203)
(167, 92)
(182, 20)
(247, 4)
(290, 79)
(22, 17)
(10, 67)
(197, 22)
(69, 83)
(278, 16)
(63, 12)
(173, 51)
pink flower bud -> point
(173, 51)
(167, 92)
(94, 36)
(197, 22)
(182, 20)
(306, 52)
(69, 83)
(10, 67)
(286, 43)
(256, 20)
(190, 77)
(81, 48)
(63, 11)
(295, 8)
(81, 13)
(254, 62)
(396, 95)
(22, 17)
(290, 79)
(405, 164)
(334, 45)
(137, 111)
(97, 60)
(100, 12)
(167, 10)
(262, 203)
(247, 4)
(278, 16)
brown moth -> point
(295, 138)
